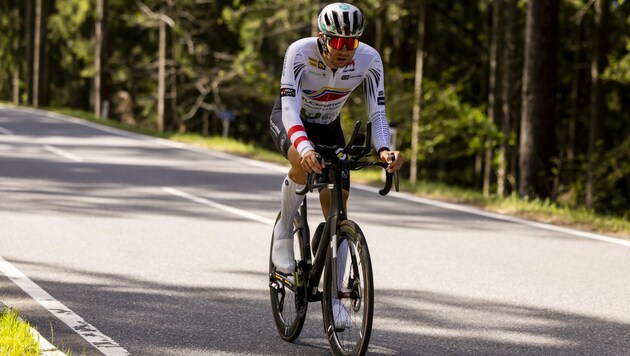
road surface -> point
(122, 243)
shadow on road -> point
(155, 318)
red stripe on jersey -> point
(294, 129)
(299, 140)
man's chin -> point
(342, 63)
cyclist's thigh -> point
(329, 135)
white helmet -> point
(341, 20)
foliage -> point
(613, 179)
(227, 56)
(10, 23)
(619, 69)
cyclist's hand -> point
(311, 162)
(394, 164)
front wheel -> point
(289, 300)
(348, 311)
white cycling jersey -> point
(314, 93)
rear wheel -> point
(348, 311)
(288, 298)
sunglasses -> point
(338, 42)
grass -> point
(533, 209)
(15, 335)
(538, 210)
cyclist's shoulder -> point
(367, 53)
(307, 44)
(366, 49)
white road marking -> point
(229, 209)
(65, 154)
(5, 131)
(91, 334)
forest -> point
(524, 97)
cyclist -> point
(318, 75)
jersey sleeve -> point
(290, 94)
(374, 89)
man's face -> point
(340, 50)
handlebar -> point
(353, 154)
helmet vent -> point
(346, 27)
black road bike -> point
(338, 251)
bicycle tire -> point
(288, 305)
(357, 293)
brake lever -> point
(392, 158)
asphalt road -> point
(157, 248)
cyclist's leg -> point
(282, 251)
(289, 302)
(330, 135)
(324, 199)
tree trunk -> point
(538, 116)
(170, 112)
(37, 50)
(98, 45)
(417, 94)
(506, 91)
(574, 104)
(492, 91)
(161, 74)
(16, 84)
(44, 54)
(28, 44)
(596, 121)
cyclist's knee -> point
(297, 175)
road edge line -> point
(88, 332)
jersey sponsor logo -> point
(349, 67)
(274, 127)
(316, 63)
(287, 92)
(317, 117)
(348, 76)
(326, 94)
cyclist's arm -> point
(292, 71)
(374, 89)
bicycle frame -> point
(314, 267)
(302, 287)
(337, 211)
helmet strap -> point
(322, 44)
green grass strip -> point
(15, 335)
